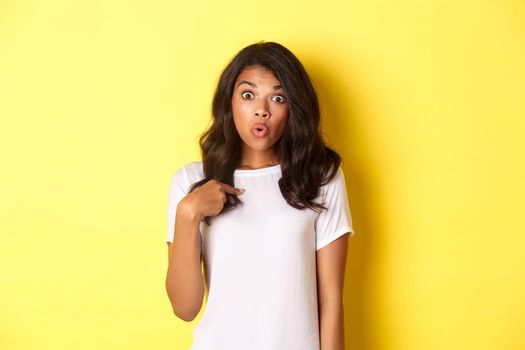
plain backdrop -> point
(101, 102)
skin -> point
(184, 279)
(255, 99)
(331, 262)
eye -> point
(246, 92)
(280, 98)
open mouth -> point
(260, 131)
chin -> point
(262, 146)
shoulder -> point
(335, 184)
(194, 170)
(337, 179)
(189, 173)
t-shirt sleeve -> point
(177, 191)
(336, 220)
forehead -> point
(257, 75)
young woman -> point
(265, 211)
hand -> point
(209, 199)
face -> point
(259, 98)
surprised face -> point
(260, 111)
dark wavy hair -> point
(306, 162)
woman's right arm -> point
(184, 280)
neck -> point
(256, 160)
(253, 167)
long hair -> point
(306, 162)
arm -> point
(331, 261)
(184, 280)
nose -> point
(261, 110)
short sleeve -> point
(336, 220)
(177, 191)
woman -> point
(265, 211)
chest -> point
(263, 226)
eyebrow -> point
(276, 87)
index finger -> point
(230, 189)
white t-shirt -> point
(260, 262)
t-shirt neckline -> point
(266, 170)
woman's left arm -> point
(331, 262)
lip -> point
(265, 130)
(260, 125)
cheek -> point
(235, 106)
(283, 119)
(239, 109)
(236, 113)
(238, 119)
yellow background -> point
(101, 101)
